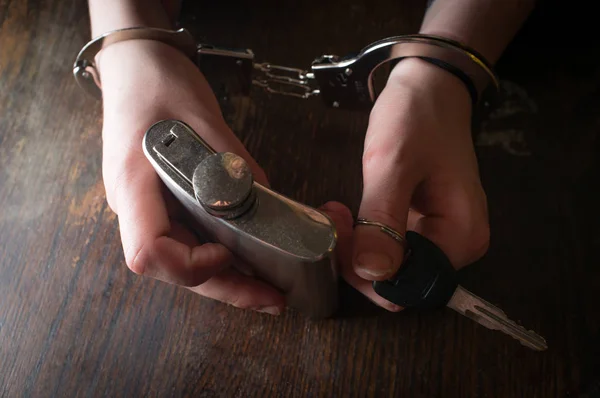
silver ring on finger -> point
(386, 229)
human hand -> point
(420, 173)
(144, 82)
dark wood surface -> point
(75, 322)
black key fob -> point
(426, 278)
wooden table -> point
(74, 321)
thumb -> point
(222, 139)
(387, 192)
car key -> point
(427, 279)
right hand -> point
(144, 82)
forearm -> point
(487, 26)
(106, 15)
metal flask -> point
(287, 244)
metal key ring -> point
(391, 232)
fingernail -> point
(374, 264)
(269, 310)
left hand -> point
(420, 173)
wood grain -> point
(75, 322)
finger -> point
(231, 287)
(149, 241)
(366, 288)
(234, 145)
(342, 217)
(181, 233)
(413, 218)
(389, 180)
(457, 220)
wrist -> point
(137, 72)
(425, 79)
(109, 15)
(140, 54)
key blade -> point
(492, 317)
(527, 337)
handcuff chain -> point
(342, 83)
(297, 83)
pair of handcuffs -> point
(288, 244)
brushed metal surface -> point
(288, 244)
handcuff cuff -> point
(342, 82)
(286, 243)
